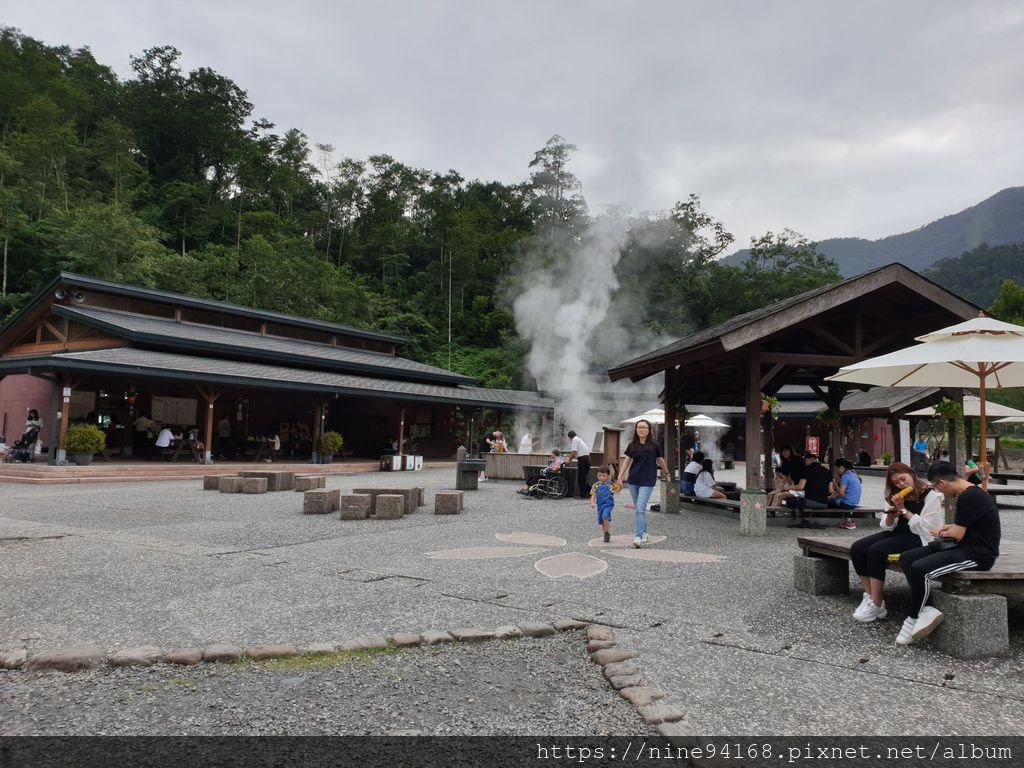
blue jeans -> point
(641, 495)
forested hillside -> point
(172, 179)
(978, 275)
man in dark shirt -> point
(811, 489)
(969, 543)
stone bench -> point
(276, 481)
(355, 506)
(321, 501)
(448, 502)
(237, 484)
(391, 506)
(211, 483)
(309, 482)
(412, 497)
(973, 602)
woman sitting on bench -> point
(914, 510)
(704, 486)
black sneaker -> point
(607, 538)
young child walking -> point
(602, 498)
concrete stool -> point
(355, 506)
(420, 497)
(320, 501)
(211, 483)
(391, 506)
(448, 502)
(412, 498)
(309, 482)
(254, 485)
(230, 484)
(821, 575)
(276, 481)
(974, 625)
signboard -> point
(904, 440)
(813, 445)
(180, 411)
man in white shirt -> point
(164, 438)
(580, 452)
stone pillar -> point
(753, 448)
(753, 512)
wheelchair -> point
(547, 487)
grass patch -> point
(320, 660)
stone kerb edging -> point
(620, 667)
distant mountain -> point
(999, 220)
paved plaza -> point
(713, 614)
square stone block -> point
(318, 501)
(286, 480)
(974, 625)
(230, 484)
(355, 506)
(309, 482)
(821, 575)
(390, 506)
(412, 498)
(373, 493)
(211, 483)
(419, 497)
(448, 502)
(753, 513)
(254, 485)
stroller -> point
(22, 448)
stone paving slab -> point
(165, 564)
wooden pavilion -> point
(797, 341)
(106, 352)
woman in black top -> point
(639, 470)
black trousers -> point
(583, 475)
(871, 554)
(924, 563)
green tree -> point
(1009, 304)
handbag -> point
(941, 545)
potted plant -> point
(886, 459)
(948, 410)
(330, 444)
(82, 441)
(770, 404)
(829, 417)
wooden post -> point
(670, 489)
(318, 423)
(210, 397)
(754, 434)
(64, 395)
(401, 430)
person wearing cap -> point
(845, 490)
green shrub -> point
(887, 458)
(84, 438)
(331, 443)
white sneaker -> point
(927, 621)
(637, 541)
(870, 612)
(906, 635)
(643, 539)
(864, 600)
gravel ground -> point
(732, 643)
(511, 687)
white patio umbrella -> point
(654, 416)
(700, 420)
(1010, 420)
(972, 410)
(981, 353)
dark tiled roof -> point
(178, 299)
(230, 342)
(165, 365)
(884, 401)
(716, 334)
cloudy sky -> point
(835, 119)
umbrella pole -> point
(984, 437)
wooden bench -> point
(973, 602)
(1002, 477)
(778, 515)
(996, 493)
